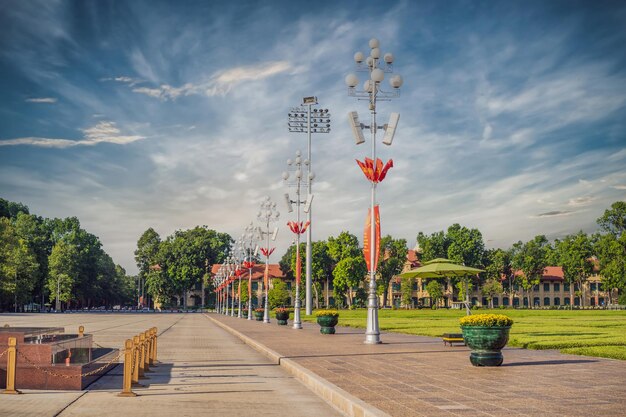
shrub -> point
(259, 310)
(486, 320)
(320, 313)
(433, 307)
(622, 299)
(282, 310)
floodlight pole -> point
(372, 93)
(320, 123)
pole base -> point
(11, 391)
(297, 326)
(127, 394)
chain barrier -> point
(90, 373)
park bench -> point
(452, 338)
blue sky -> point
(161, 114)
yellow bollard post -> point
(142, 352)
(127, 382)
(11, 365)
(152, 346)
(136, 355)
(81, 331)
(156, 345)
(146, 352)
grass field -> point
(599, 333)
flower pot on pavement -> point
(486, 335)
(327, 319)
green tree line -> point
(41, 257)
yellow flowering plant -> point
(320, 313)
(486, 320)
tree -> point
(498, 267)
(614, 219)
(435, 291)
(278, 295)
(63, 271)
(392, 258)
(573, 254)
(529, 258)
(348, 273)
(433, 246)
(611, 254)
(18, 266)
(491, 288)
(10, 209)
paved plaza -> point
(207, 369)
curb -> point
(339, 399)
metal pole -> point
(297, 323)
(58, 306)
(309, 278)
(266, 313)
(372, 334)
(239, 296)
(250, 286)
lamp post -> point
(239, 251)
(298, 227)
(231, 280)
(267, 215)
(303, 120)
(249, 239)
(374, 170)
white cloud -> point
(580, 201)
(49, 100)
(218, 85)
(103, 132)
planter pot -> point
(486, 344)
(258, 315)
(327, 324)
(282, 318)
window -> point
(593, 286)
(557, 287)
(255, 286)
(566, 287)
(536, 301)
(536, 288)
(505, 301)
(484, 301)
(546, 287)
(566, 301)
(546, 301)
(414, 286)
(395, 286)
(289, 285)
(495, 302)
(557, 301)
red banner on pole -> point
(366, 238)
(266, 275)
(298, 269)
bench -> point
(450, 338)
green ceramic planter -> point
(486, 344)
(282, 318)
(327, 324)
(258, 315)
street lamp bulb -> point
(358, 57)
(374, 43)
(370, 61)
(298, 153)
(306, 162)
(285, 175)
(378, 75)
(299, 174)
(289, 161)
(277, 215)
(375, 53)
(396, 81)
(274, 205)
(312, 176)
(367, 86)
(268, 213)
(388, 58)
(352, 80)
(298, 160)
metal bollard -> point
(153, 337)
(11, 365)
(81, 331)
(128, 370)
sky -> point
(170, 114)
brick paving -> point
(417, 376)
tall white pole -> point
(266, 312)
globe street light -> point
(373, 169)
(303, 120)
(267, 215)
(298, 227)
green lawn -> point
(582, 332)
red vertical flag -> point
(366, 238)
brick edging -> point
(339, 399)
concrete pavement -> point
(204, 370)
